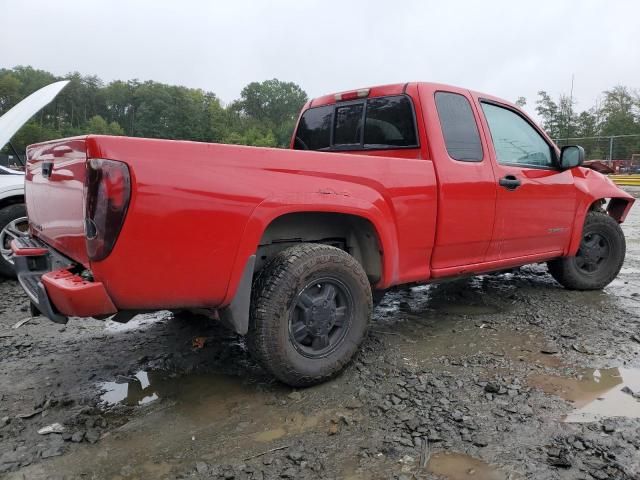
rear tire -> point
(310, 311)
(599, 258)
(9, 214)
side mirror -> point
(571, 156)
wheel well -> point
(615, 207)
(355, 235)
(5, 202)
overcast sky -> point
(506, 48)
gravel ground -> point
(503, 376)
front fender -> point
(592, 186)
(327, 200)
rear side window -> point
(458, 127)
(314, 132)
(348, 124)
(389, 122)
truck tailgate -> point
(54, 184)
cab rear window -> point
(376, 123)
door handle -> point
(510, 182)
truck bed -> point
(197, 211)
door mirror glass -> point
(571, 156)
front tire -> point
(13, 223)
(310, 311)
(599, 258)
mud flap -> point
(236, 315)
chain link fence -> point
(622, 148)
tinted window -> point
(348, 124)
(314, 130)
(389, 122)
(515, 140)
(458, 127)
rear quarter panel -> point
(198, 210)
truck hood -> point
(14, 119)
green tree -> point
(100, 126)
(272, 101)
(9, 91)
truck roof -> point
(392, 89)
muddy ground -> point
(498, 377)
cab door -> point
(466, 185)
(535, 201)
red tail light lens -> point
(107, 194)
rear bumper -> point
(49, 280)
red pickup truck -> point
(382, 186)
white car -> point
(13, 215)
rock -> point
(4, 421)
(480, 441)
(491, 388)
(525, 409)
(92, 436)
(549, 349)
(627, 390)
(77, 437)
(558, 458)
(289, 473)
(608, 427)
(569, 335)
(599, 474)
(202, 468)
(295, 396)
(407, 442)
(55, 451)
(457, 415)
(31, 414)
(53, 428)
(413, 423)
(353, 404)
(295, 455)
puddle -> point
(595, 393)
(294, 424)
(136, 391)
(461, 341)
(206, 417)
(139, 322)
(457, 466)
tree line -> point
(616, 113)
(264, 115)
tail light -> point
(107, 194)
